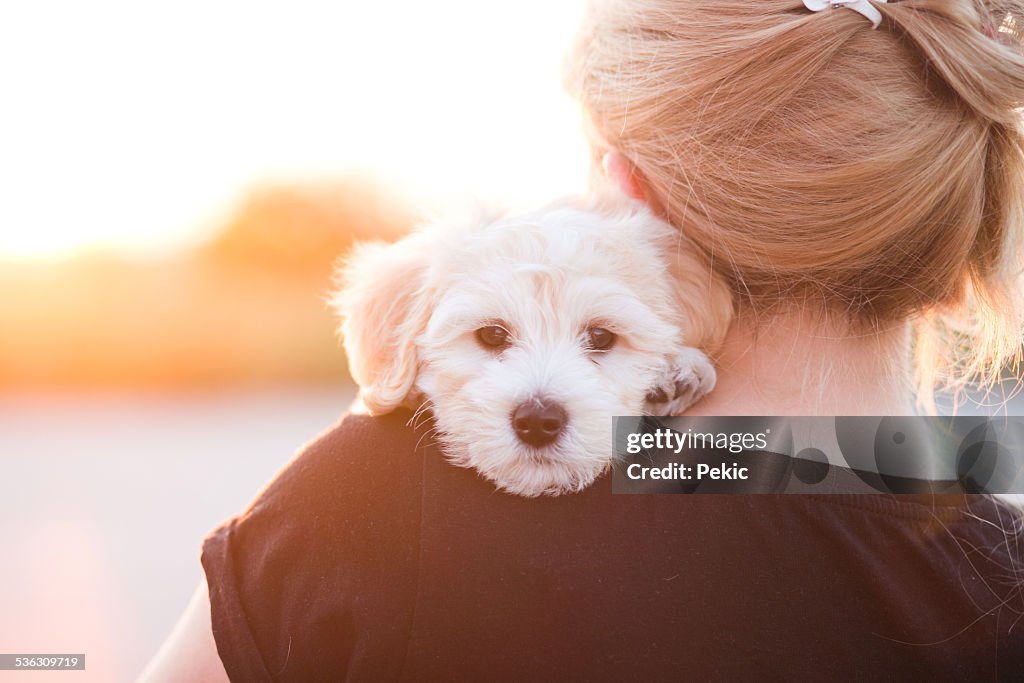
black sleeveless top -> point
(369, 557)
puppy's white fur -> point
(410, 311)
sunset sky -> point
(136, 125)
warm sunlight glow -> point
(134, 125)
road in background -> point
(104, 500)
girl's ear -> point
(629, 180)
(384, 301)
(622, 174)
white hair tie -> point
(863, 7)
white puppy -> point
(525, 334)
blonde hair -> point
(878, 172)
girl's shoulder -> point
(334, 533)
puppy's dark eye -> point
(493, 337)
(600, 339)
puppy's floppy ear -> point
(384, 301)
(702, 295)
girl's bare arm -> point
(189, 653)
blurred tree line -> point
(300, 230)
(247, 307)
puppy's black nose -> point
(538, 422)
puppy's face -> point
(533, 330)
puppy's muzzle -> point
(538, 422)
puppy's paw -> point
(692, 376)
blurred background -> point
(176, 181)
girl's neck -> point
(797, 365)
